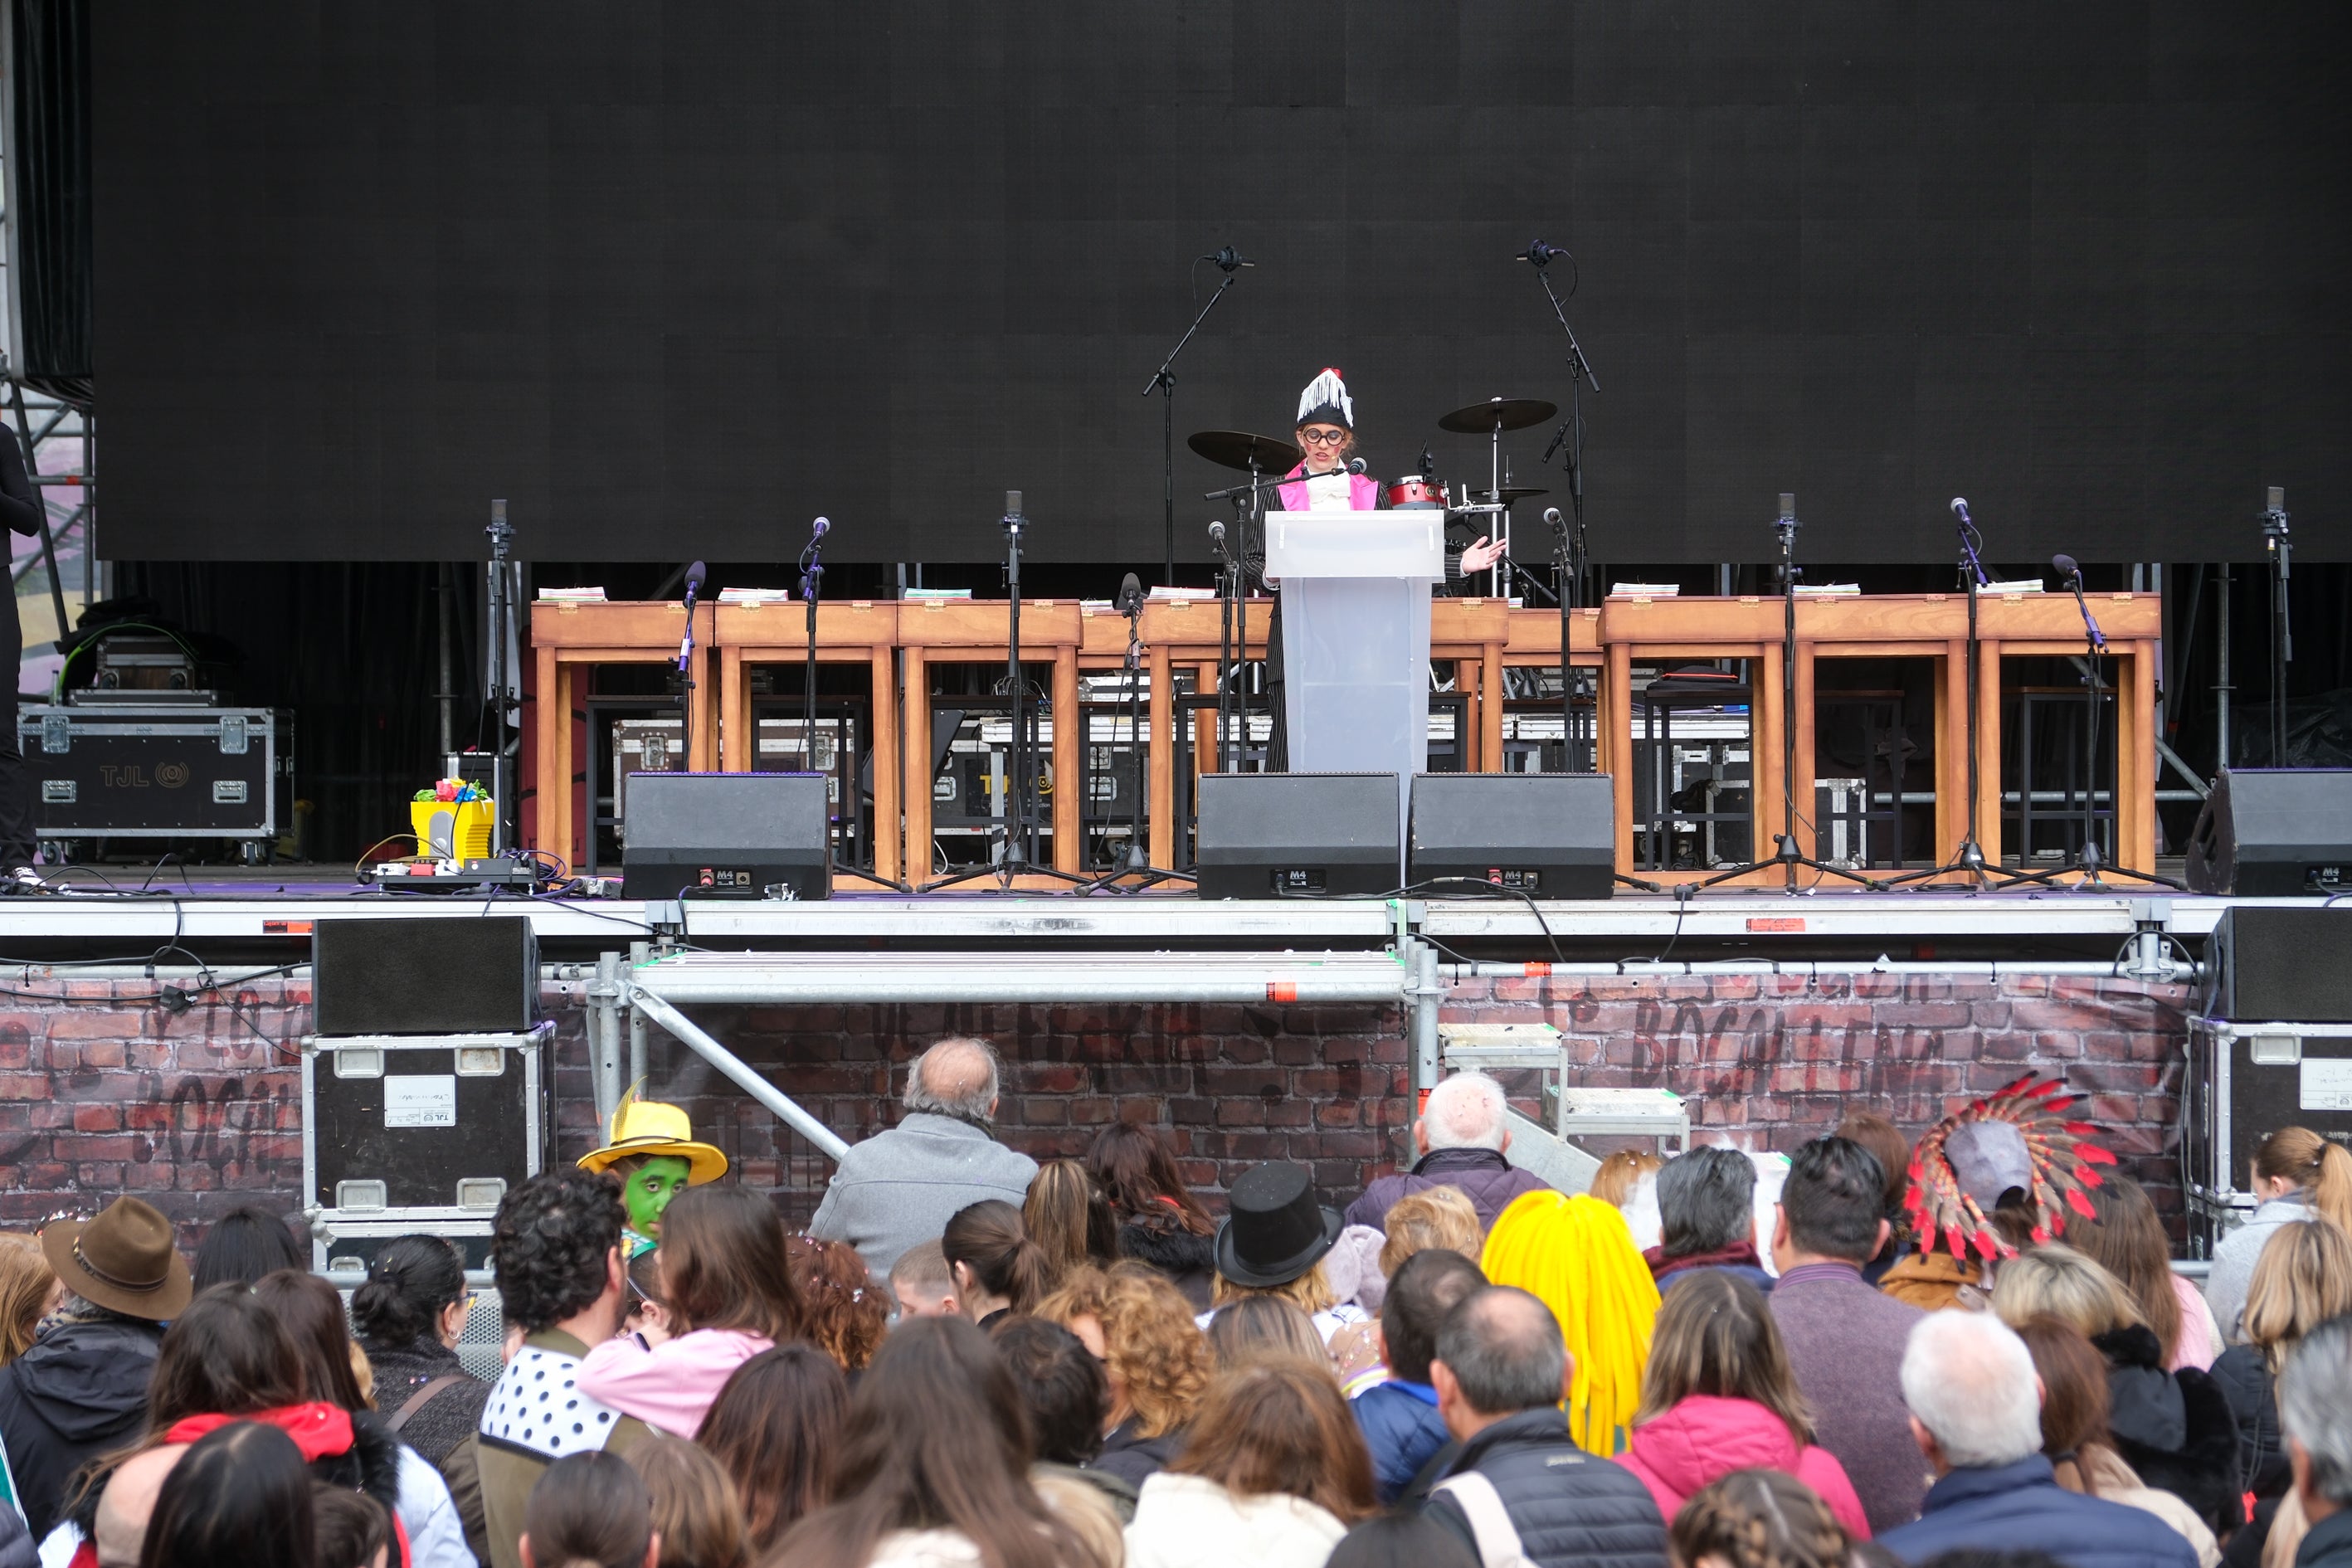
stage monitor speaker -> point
(2291, 963)
(728, 836)
(1551, 836)
(2273, 833)
(432, 975)
(1266, 835)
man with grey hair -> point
(1976, 1413)
(2314, 1402)
(1461, 1138)
(1514, 1484)
(900, 1188)
(1706, 1214)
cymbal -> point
(1510, 493)
(1499, 413)
(1236, 448)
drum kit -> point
(1484, 511)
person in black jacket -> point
(2174, 1428)
(20, 507)
(82, 1390)
(1501, 1373)
(2303, 1278)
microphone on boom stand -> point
(2065, 567)
(694, 575)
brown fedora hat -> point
(123, 1261)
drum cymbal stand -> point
(1021, 827)
(1571, 431)
(1163, 382)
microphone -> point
(1355, 465)
(1227, 259)
(1130, 594)
(1217, 536)
(694, 575)
(1552, 518)
(1539, 253)
(1960, 511)
(2065, 567)
(820, 528)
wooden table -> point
(970, 631)
(568, 638)
(852, 631)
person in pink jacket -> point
(1717, 1397)
(730, 1296)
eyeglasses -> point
(1323, 438)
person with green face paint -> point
(653, 1152)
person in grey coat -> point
(900, 1188)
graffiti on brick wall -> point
(215, 1121)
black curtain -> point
(49, 194)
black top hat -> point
(1277, 1230)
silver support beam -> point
(772, 978)
(604, 995)
(1427, 994)
(639, 953)
(785, 1110)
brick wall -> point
(107, 1092)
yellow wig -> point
(1577, 1254)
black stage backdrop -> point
(672, 279)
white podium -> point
(1355, 639)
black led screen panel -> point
(673, 278)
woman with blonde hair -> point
(1434, 1216)
(2173, 1429)
(1257, 1329)
(1577, 1255)
(29, 1291)
(2304, 1279)
(2296, 1174)
(1273, 1476)
(1155, 1357)
(1719, 1397)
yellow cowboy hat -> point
(649, 1127)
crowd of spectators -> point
(973, 1360)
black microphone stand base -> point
(2090, 870)
(1967, 860)
(1786, 855)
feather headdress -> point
(2061, 1160)
(1326, 401)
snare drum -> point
(1416, 493)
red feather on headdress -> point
(2062, 1156)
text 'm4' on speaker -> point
(2274, 833)
(1265, 836)
(728, 836)
(1551, 836)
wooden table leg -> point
(1161, 763)
(1989, 833)
(738, 746)
(1617, 704)
(551, 758)
(1801, 780)
(920, 852)
(2135, 759)
(1069, 762)
(883, 725)
(1490, 710)
(1767, 715)
(1951, 750)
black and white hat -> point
(1326, 402)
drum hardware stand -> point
(1571, 430)
(1019, 794)
(1785, 853)
(1968, 856)
(2274, 540)
(1163, 382)
(1570, 725)
(2089, 861)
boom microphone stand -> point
(812, 585)
(2088, 861)
(1785, 853)
(1571, 431)
(1137, 862)
(1163, 382)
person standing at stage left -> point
(20, 507)
(900, 1188)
